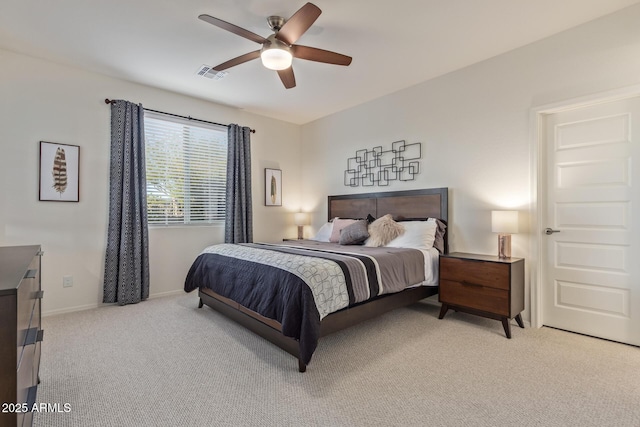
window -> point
(186, 170)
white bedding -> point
(431, 265)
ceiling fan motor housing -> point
(275, 22)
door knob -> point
(548, 231)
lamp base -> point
(300, 237)
(504, 246)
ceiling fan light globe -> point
(276, 58)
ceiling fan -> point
(278, 50)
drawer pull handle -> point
(31, 396)
(39, 295)
(31, 274)
(34, 335)
(465, 283)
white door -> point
(592, 281)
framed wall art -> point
(272, 187)
(59, 172)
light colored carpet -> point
(164, 362)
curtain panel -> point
(126, 276)
(238, 216)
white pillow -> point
(324, 233)
(417, 235)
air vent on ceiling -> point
(210, 73)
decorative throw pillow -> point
(338, 225)
(439, 239)
(355, 233)
(383, 230)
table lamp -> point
(505, 223)
(301, 219)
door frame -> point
(539, 176)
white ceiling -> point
(394, 44)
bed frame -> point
(424, 203)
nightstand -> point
(484, 285)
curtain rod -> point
(108, 101)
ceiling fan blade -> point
(320, 55)
(287, 77)
(298, 23)
(233, 28)
(237, 61)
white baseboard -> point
(167, 294)
(48, 313)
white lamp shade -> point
(301, 218)
(505, 222)
(276, 58)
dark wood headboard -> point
(424, 203)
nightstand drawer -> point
(490, 274)
(474, 296)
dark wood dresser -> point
(20, 333)
(484, 285)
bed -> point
(266, 298)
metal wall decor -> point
(379, 167)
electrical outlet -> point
(67, 281)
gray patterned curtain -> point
(238, 226)
(126, 273)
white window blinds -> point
(186, 170)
